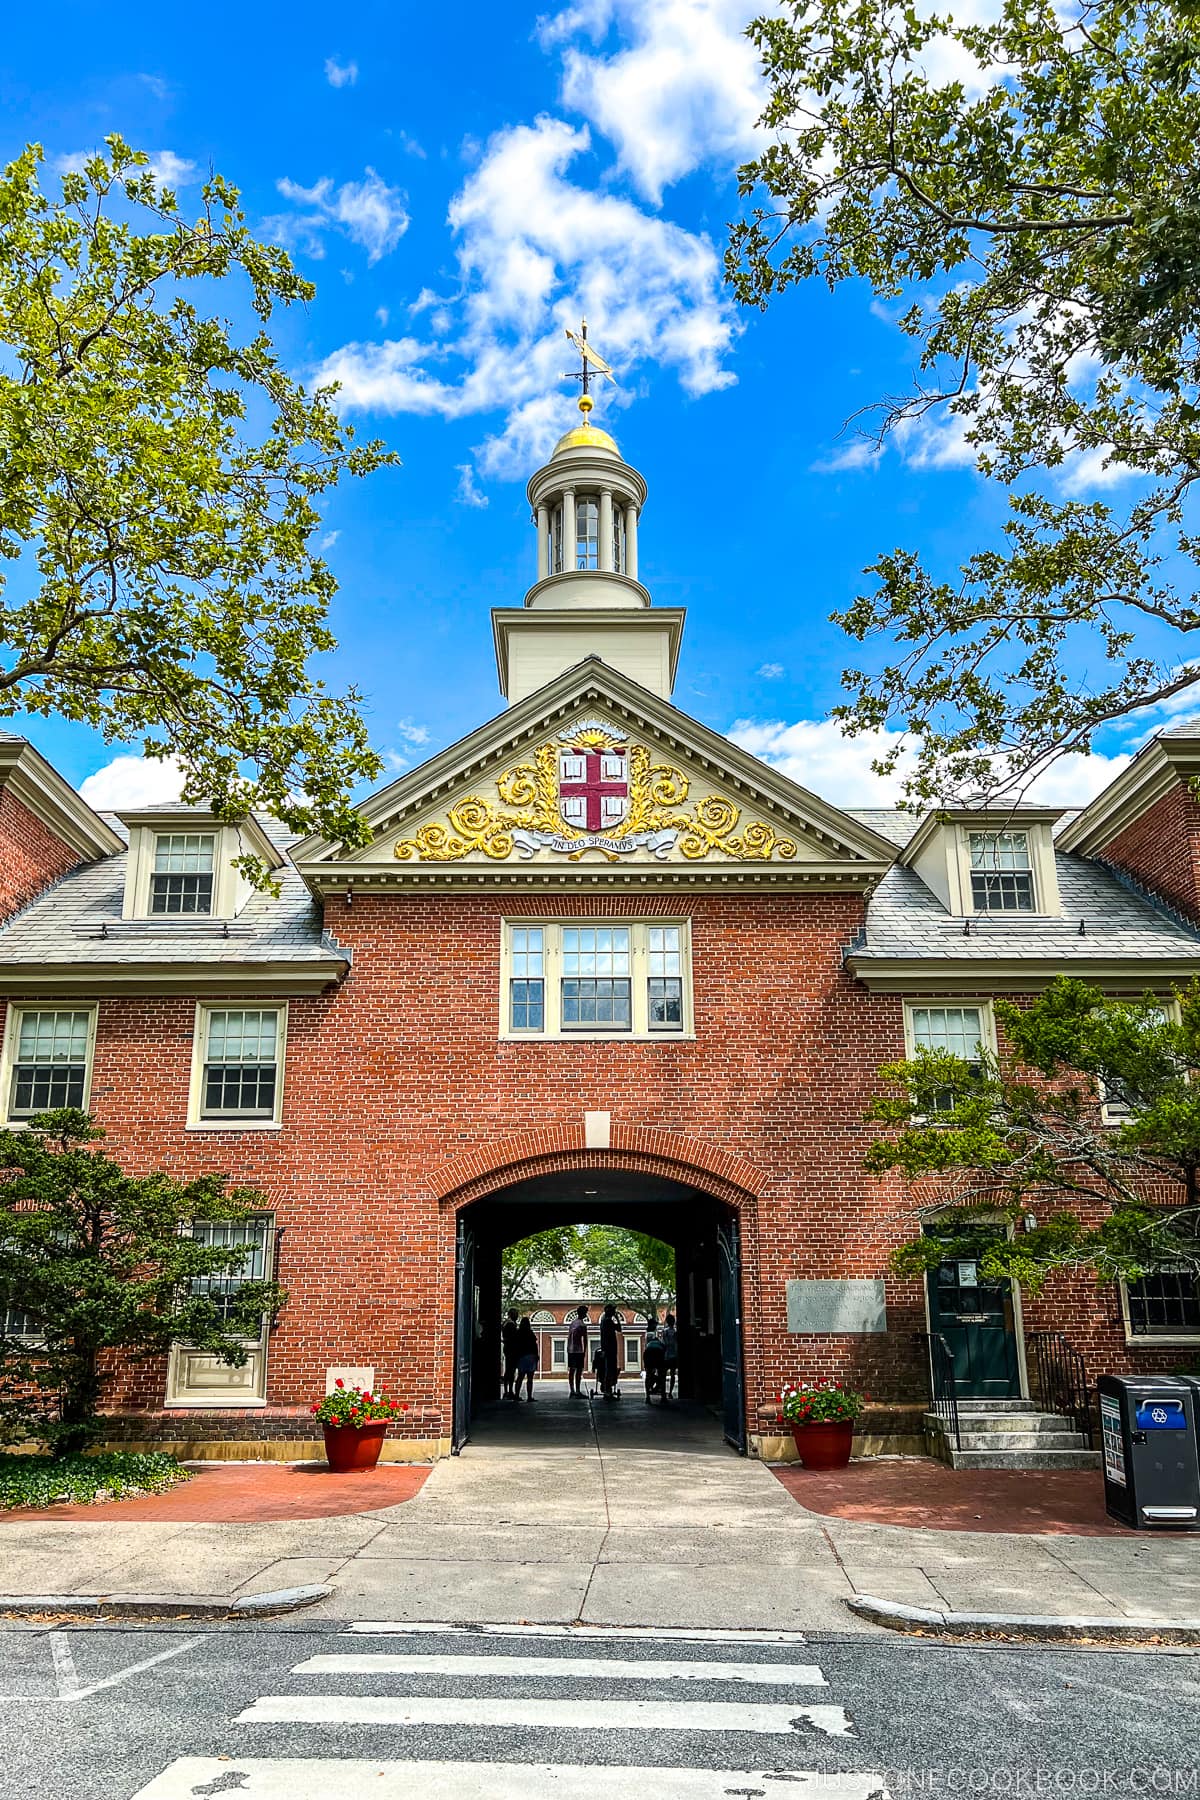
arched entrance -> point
(701, 1214)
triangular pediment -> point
(593, 776)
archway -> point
(703, 1215)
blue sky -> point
(460, 183)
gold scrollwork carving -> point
(529, 793)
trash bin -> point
(1148, 1439)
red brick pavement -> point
(924, 1493)
(243, 1493)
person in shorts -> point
(577, 1343)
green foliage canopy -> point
(103, 1261)
(626, 1268)
(1034, 211)
(1026, 1136)
(543, 1253)
(161, 487)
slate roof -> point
(896, 826)
(79, 920)
(905, 920)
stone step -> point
(978, 1404)
(1014, 1422)
(1022, 1459)
(1023, 1440)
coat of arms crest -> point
(593, 788)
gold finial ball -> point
(585, 404)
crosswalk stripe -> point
(551, 1715)
(337, 1778)
(651, 1633)
(579, 1668)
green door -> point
(976, 1320)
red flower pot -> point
(825, 1445)
(354, 1446)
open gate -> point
(733, 1380)
(464, 1332)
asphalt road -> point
(324, 1712)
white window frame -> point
(204, 1011)
(1169, 1010)
(987, 1018)
(640, 1030)
(1047, 902)
(558, 1352)
(1148, 1340)
(632, 1355)
(12, 1037)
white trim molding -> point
(12, 1033)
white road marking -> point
(137, 1668)
(582, 1668)
(551, 1715)
(652, 1633)
(346, 1778)
(64, 1666)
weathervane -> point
(591, 363)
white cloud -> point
(168, 168)
(860, 453)
(411, 733)
(340, 75)
(330, 539)
(368, 212)
(130, 781)
(535, 250)
(467, 493)
(158, 87)
(685, 92)
(815, 753)
(771, 671)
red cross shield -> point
(593, 788)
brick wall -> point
(398, 1078)
(1161, 850)
(31, 856)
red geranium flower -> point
(339, 1382)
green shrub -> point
(114, 1475)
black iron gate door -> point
(464, 1331)
(733, 1398)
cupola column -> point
(606, 530)
(570, 546)
(631, 562)
(543, 531)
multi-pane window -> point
(181, 880)
(527, 981)
(959, 1030)
(240, 1073)
(1165, 1304)
(602, 979)
(254, 1236)
(1116, 1105)
(618, 547)
(664, 996)
(632, 1353)
(49, 1061)
(596, 978)
(1001, 872)
(16, 1323)
(587, 532)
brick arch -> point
(641, 1150)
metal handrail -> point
(1059, 1379)
(943, 1396)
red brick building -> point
(597, 963)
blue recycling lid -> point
(1161, 1415)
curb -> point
(895, 1616)
(157, 1606)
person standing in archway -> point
(577, 1343)
(527, 1358)
(670, 1341)
(610, 1352)
(508, 1341)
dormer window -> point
(181, 880)
(1001, 871)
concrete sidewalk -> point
(626, 1515)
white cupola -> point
(587, 599)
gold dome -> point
(585, 437)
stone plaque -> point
(850, 1306)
